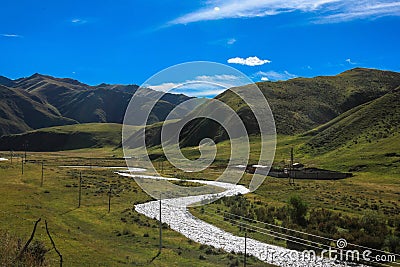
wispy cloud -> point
(226, 42)
(201, 86)
(231, 41)
(250, 61)
(350, 62)
(11, 35)
(274, 75)
(324, 11)
(194, 88)
(362, 10)
(78, 21)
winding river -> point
(176, 214)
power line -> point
(277, 226)
(240, 224)
(281, 227)
(262, 229)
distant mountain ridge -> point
(62, 101)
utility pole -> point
(245, 248)
(26, 147)
(109, 200)
(160, 228)
(80, 189)
(291, 171)
(22, 166)
(41, 181)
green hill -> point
(302, 104)
(364, 124)
(298, 105)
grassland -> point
(89, 235)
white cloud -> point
(274, 75)
(226, 42)
(363, 10)
(202, 86)
(164, 87)
(325, 11)
(78, 21)
(350, 62)
(250, 61)
(220, 79)
(10, 35)
(196, 88)
(231, 41)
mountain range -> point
(358, 105)
(42, 101)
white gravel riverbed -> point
(174, 212)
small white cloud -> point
(217, 8)
(226, 42)
(11, 35)
(78, 21)
(274, 75)
(164, 87)
(231, 41)
(350, 62)
(250, 61)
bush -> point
(298, 210)
(392, 243)
(10, 246)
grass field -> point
(89, 235)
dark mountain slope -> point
(6, 82)
(65, 137)
(21, 111)
(83, 103)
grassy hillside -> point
(364, 124)
(302, 104)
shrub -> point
(298, 210)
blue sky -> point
(127, 42)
